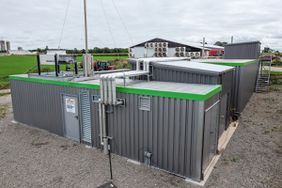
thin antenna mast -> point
(203, 50)
(85, 27)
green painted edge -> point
(55, 82)
(129, 90)
(171, 94)
(232, 64)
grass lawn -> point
(16, 64)
(22, 64)
(276, 72)
(105, 58)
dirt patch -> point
(4, 94)
(38, 144)
(3, 111)
(65, 147)
(253, 156)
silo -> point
(8, 45)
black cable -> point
(108, 23)
(63, 27)
(123, 23)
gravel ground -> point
(31, 157)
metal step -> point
(263, 80)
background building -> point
(56, 51)
(8, 45)
(2, 45)
(164, 48)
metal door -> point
(71, 117)
(210, 133)
(223, 114)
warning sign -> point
(47, 59)
(70, 105)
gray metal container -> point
(194, 72)
(179, 133)
(245, 50)
(244, 81)
(40, 105)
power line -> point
(63, 27)
(123, 23)
(108, 23)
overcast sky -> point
(37, 23)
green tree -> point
(267, 50)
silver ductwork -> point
(108, 95)
(87, 65)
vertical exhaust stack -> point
(108, 96)
(87, 65)
(87, 58)
(203, 50)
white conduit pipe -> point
(147, 64)
(138, 65)
(108, 96)
(100, 122)
(105, 83)
(105, 139)
(110, 89)
(101, 89)
(114, 91)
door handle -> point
(76, 117)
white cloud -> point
(33, 23)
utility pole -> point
(87, 58)
(85, 27)
(203, 50)
(231, 39)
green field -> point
(22, 64)
(276, 73)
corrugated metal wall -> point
(248, 50)
(165, 74)
(246, 82)
(40, 105)
(173, 129)
(36, 105)
(160, 73)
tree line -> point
(95, 50)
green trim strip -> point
(129, 90)
(232, 64)
(171, 94)
(55, 82)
